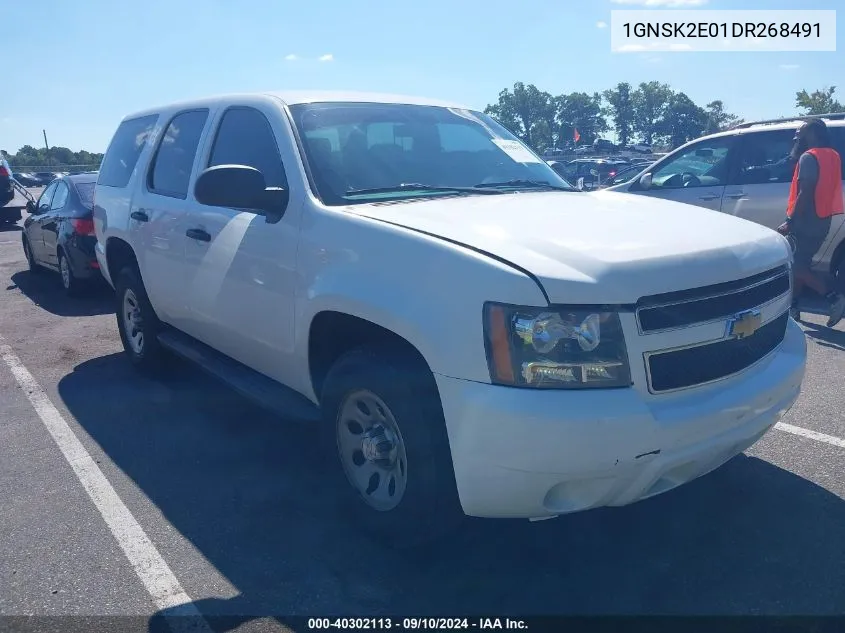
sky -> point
(79, 67)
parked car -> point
(466, 332)
(604, 145)
(640, 148)
(624, 174)
(9, 212)
(59, 232)
(585, 168)
(27, 179)
(744, 172)
(46, 177)
(584, 149)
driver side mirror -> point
(30, 208)
(645, 181)
(241, 187)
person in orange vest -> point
(814, 197)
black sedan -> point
(59, 232)
(27, 179)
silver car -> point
(746, 172)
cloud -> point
(601, 25)
(328, 57)
(291, 58)
(789, 66)
(671, 4)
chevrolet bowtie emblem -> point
(744, 324)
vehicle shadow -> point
(252, 494)
(6, 227)
(825, 336)
(44, 290)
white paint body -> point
(253, 291)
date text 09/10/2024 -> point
(416, 624)
(783, 30)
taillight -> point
(4, 171)
(82, 226)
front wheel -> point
(384, 421)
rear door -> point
(696, 174)
(159, 211)
(51, 223)
(758, 188)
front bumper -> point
(535, 454)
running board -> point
(262, 390)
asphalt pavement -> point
(239, 506)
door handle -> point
(708, 196)
(198, 234)
(141, 216)
(735, 196)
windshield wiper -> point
(415, 186)
(528, 184)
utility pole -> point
(46, 147)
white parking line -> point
(154, 572)
(813, 435)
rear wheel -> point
(384, 421)
(71, 284)
(137, 322)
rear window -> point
(124, 150)
(86, 193)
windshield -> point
(363, 152)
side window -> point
(765, 157)
(47, 197)
(170, 171)
(124, 150)
(244, 137)
(60, 197)
(704, 164)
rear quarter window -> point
(124, 150)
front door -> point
(242, 269)
(696, 175)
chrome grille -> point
(710, 303)
(701, 364)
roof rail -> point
(832, 116)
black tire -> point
(70, 283)
(429, 506)
(149, 356)
(30, 260)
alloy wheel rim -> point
(372, 450)
(132, 321)
(65, 269)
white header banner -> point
(699, 30)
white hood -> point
(598, 247)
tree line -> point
(56, 157)
(652, 113)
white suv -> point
(470, 333)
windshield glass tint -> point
(361, 146)
(86, 193)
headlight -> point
(565, 347)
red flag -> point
(577, 136)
